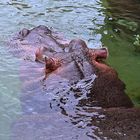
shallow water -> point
(95, 21)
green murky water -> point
(114, 24)
(120, 34)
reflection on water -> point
(110, 21)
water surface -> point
(97, 22)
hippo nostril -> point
(24, 32)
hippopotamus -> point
(65, 83)
(69, 60)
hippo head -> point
(76, 47)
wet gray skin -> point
(61, 103)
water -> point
(95, 21)
(9, 91)
(119, 33)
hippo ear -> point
(106, 53)
(101, 53)
(106, 50)
(48, 60)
